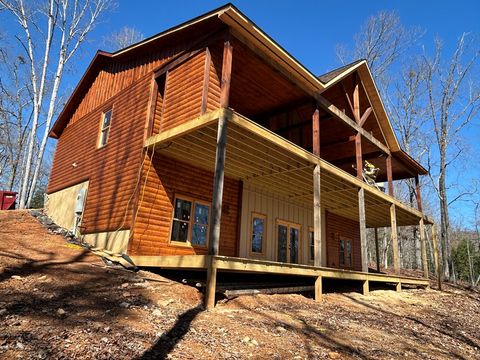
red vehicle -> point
(7, 200)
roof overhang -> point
(241, 26)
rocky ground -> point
(59, 301)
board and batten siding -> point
(274, 207)
(163, 179)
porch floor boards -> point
(243, 265)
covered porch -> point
(232, 145)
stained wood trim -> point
(226, 72)
(151, 108)
(206, 80)
(175, 62)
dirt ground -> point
(58, 301)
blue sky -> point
(309, 30)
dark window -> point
(345, 253)
(258, 233)
(187, 228)
(105, 128)
(311, 245)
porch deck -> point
(243, 265)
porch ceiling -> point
(260, 158)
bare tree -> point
(51, 33)
(122, 38)
(453, 103)
(382, 40)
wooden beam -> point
(356, 104)
(226, 73)
(211, 285)
(394, 235)
(151, 108)
(358, 156)
(317, 217)
(363, 229)
(366, 288)
(390, 175)
(418, 193)
(186, 127)
(318, 289)
(377, 250)
(206, 81)
(332, 109)
(365, 116)
(423, 245)
(316, 132)
(436, 258)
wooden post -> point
(377, 250)
(423, 246)
(396, 255)
(399, 286)
(363, 229)
(419, 195)
(318, 289)
(438, 269)
(211, 285)
(389, 175)
(316, 132)
(219, 175)
(358, 155)
(317, 217)
(366, 288)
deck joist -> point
(243, 265)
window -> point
(190, 229)
(105, 128)
(258, 233)
(345, 253)
(311, 244)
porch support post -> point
(377, 250)
(438, 268)
(366, 288)
(399, 286)
(393, 224)
(317, 218)
(358, 136)
(219, 175)
(363, 229)
(389, 175)
(317, 208)
(423, 245)
(211, 285)
(318, 289)
(418, 193)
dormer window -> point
(105, 128)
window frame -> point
(191, 222)
(102, 129)
(264, 240)
(345, 240)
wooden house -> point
(208, 146)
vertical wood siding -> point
(337, 227)
(275, 208)
(163, 178)
(113, 170)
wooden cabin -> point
(209, 146)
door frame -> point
(289, 224)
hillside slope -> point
(57, 300)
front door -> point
(288, 239)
